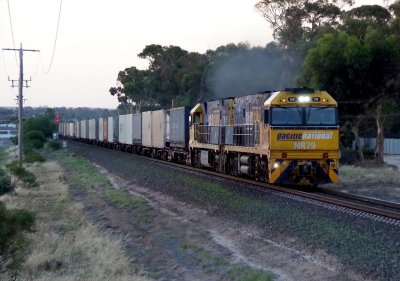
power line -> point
(12, 30)
(55, 41)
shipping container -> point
(177, 127)
(125, 129)
(113, 131)
(137, 128)
(78, 129)
(75, 130)
(71, 130)
(158, 128)
(92, 129)
(87, 129)
(83, 129)
(146, 128)
(105, 129)
(101, 129)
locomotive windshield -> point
(303, 116)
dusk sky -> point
(97, 39)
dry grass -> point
(368, 174)
(65, 246)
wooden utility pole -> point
(20, 97)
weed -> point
(55, 145)
(28, 178)
(206, 259)
(249, 274)
(5, 183)
(82, 174)
(124, 200)
(32, 156)
(12, 242)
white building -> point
(8, 130)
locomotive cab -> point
(304, 137)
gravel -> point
(366, 246)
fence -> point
(392, 146)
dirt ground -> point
(178, 242)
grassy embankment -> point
(368, 174)
(65, 246)
(76, 167)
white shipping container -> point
(71, 130)
(137, 128)
(101, 129)
(125, 128)
(83, 129)
(146, 128)
(92, 129)
(158, 128)
(110, 129)
(128, 128)
(77, 129)
(121, 126)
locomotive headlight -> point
(276, 165)
(304, 99)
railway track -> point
(379, 210)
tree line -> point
(353, 53)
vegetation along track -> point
(378, 210)
(362, 244)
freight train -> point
(286, 137)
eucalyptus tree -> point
(135, 89)
(177, 73)
(294, 21)
(360, 66)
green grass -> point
(210, 263)
(249, 274)
(124, 200)
(82, 174)
(3, 156)
(32, 156)
(321, 231)
(368, 174)
(25, 176)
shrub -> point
(35, 135)
(33, 140)
(28, 178)
(32, 156)
(55, 145)
(5, 183)
(12, 224)
(14, 140)
(348, 156)
(369, 153)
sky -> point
(97, 39)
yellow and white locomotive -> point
(284, 137)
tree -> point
(294, 21)
(135, 88)
(365, 71)
(358, 20)
(175, 77)
(44, 123)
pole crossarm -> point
(23, 50)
